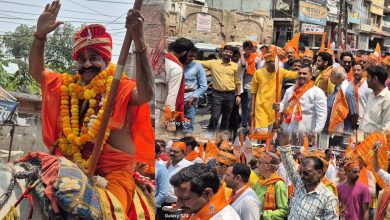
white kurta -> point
(227, 213)
(377, 114)
(314, 111)
(248, 205)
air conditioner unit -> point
(202, 2)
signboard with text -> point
(312, 13)
(312, 29)
(203, 22)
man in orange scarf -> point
(324, 63)
(192, 150)
(303, 106)
(271, 189)
(342, 108)
(130, 125)
(200, 195)
(243, 199)
(248, 64)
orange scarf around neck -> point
(294, 101)
(269, 199)
(192, 156)
(216, 204)
(327, 183)
(251, 63)
(383, 203)
(235, 195)
(339, 112)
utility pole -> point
(341, 2)
(345, 24)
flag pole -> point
(111, 97)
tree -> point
(58, 56)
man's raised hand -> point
(47, 21)
(134, 23)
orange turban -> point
(309, 53)
(350, 164)
(386, 61)
(269, 57)
(225, 145)
(289, 47)
(226, 158)
(94, 37)
(270, 158)
(178, 144)
(257, 151)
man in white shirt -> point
(377, 113)
(178, 162)
(172, 94)
(303, 105)
(200, 194)
(331, 171)
(243, 199)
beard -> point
(183, 59)
(92, 69)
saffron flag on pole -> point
(322, 48)
(365, 151)
(378, 52)
(211, 151)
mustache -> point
(92, 68)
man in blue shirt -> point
(162, 184)
(195, 86)
(338, 77)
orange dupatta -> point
(251, 63)
(269, 199)
(340, 111)
(383, 203)
(235, 195)
(192, 156)
(216, 204)
(294, 101)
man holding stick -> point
(73, 105)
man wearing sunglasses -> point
(311, 200)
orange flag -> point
(322, 48)
(349, 146)
(365, 151)
(306, 143)
(294, 42)
(328, 46)
(211, 151)
(378, 52)
(339, 112)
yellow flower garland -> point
(73, 139)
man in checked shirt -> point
(312, 200)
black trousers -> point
(221, 103)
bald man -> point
(345, 102)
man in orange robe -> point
(130, 123)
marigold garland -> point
(74, 136)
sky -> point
(110, 13)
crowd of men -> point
(321, 100)
(329, 97)
(209, 181)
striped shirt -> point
(318, 204)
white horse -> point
(23, 208)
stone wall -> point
(227, 26)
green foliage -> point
(16, 46)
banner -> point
(312, 29)
(6, 109)
(312, 13)
(203, 22)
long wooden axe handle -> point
(111, 97)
